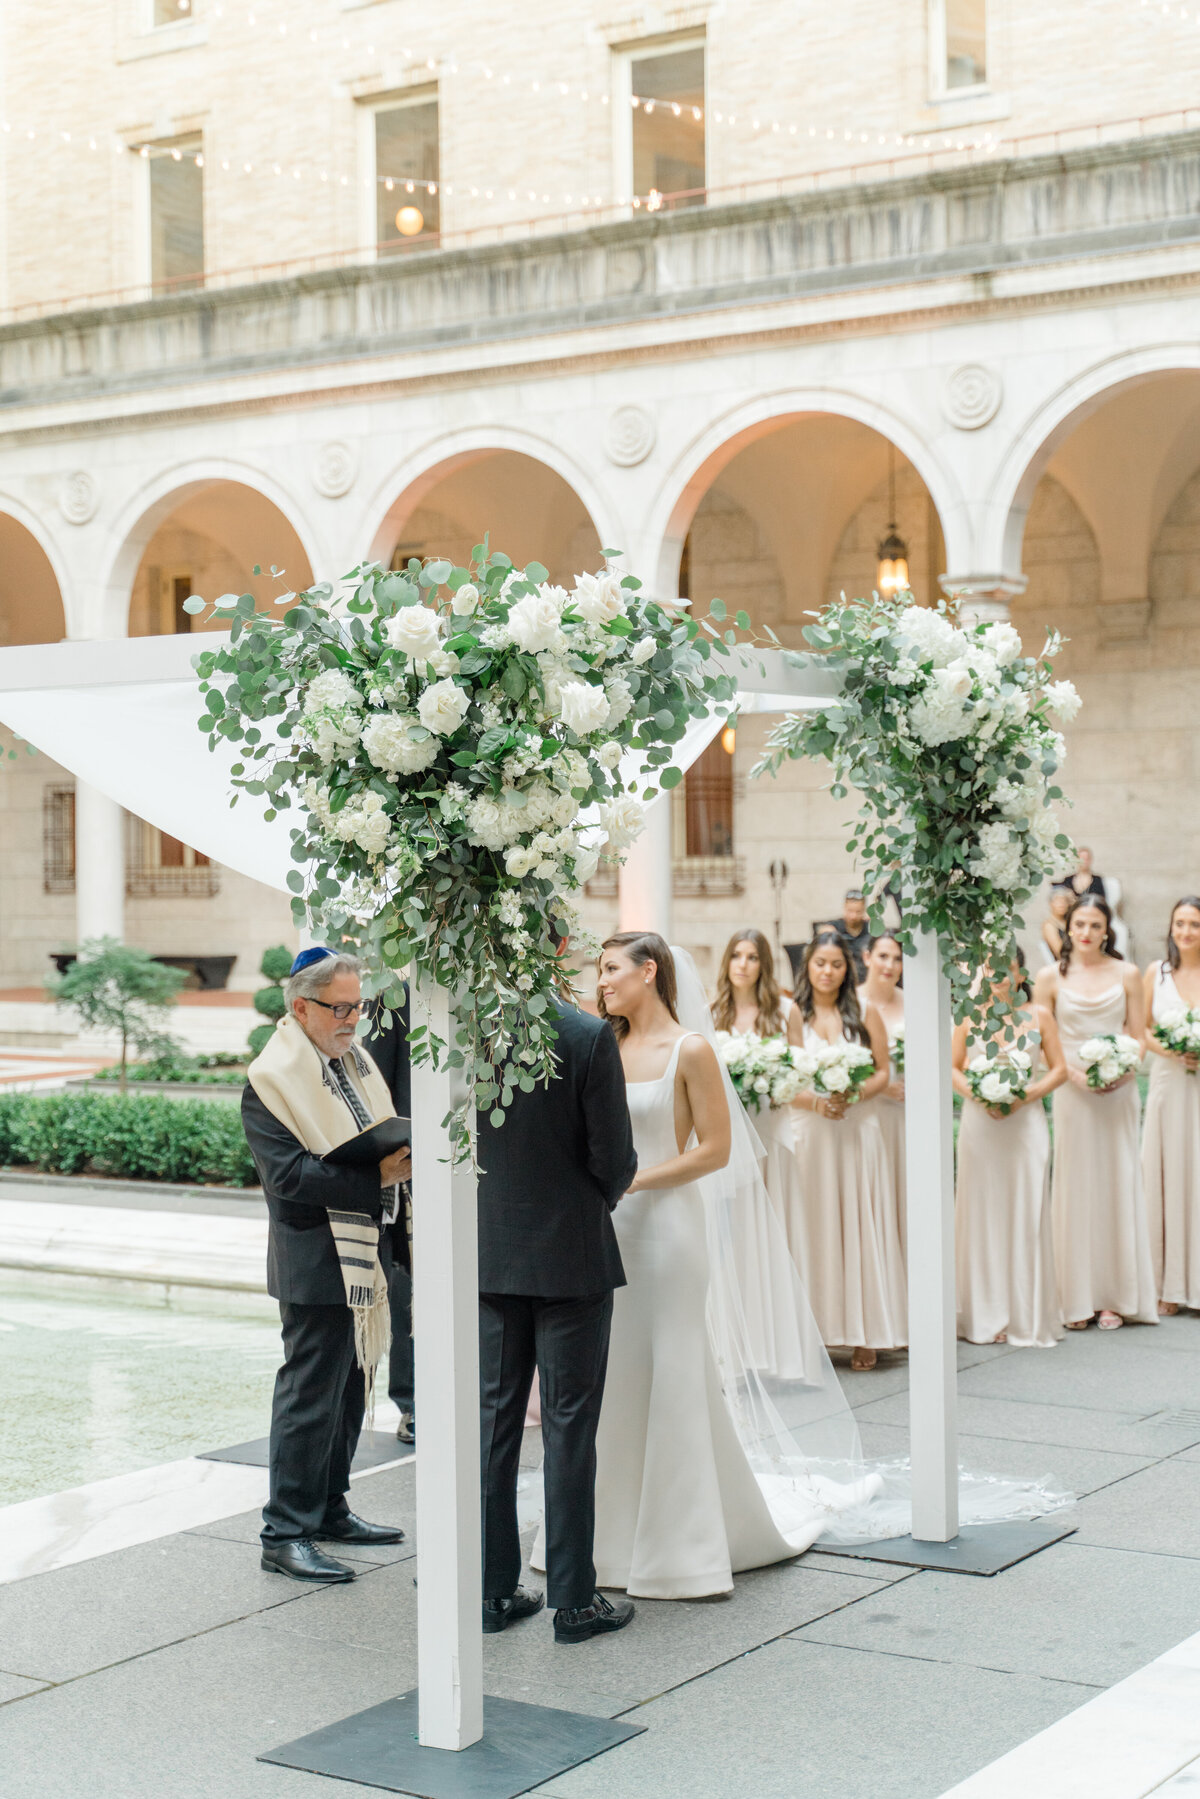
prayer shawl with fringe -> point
(295, 1085)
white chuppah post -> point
(933, 1374)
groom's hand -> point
(396, 1167)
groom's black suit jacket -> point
(554, 1170)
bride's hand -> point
(635, 1184)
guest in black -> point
(318, 1406)
(388, 1044)
(548, 1263)
(854, 929)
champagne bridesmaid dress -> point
(1101, 1237)
(891, 1124)
(1004, 1246)
(1171, 1165)
(842, 1231)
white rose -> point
(518, 861)
(1020, 1060)
(416, 630)
(331, 688)
(390, 745)
(622, 820)
(608, 755)
(1064, 699)
(643, 649)
(994, 1090)
(582, 707)
(954, 681)
(465, 600)
(598, 598)
(444, 662)
(586, 863)
(1003, 642)
(443, 707)
(620, 701)
(1109, 1070)
(762, 1084)
(836, 1077)
(1092, 1050)
(977, 1064)
(533, 623)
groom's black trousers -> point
(567, 1341)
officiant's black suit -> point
(548, 1263)
(387, 1042)
(317, 1411)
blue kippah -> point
(307, 957)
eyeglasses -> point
(343, 1011)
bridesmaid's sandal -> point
(863, 1360)
(1110, 1321)
(1000, 1337)
(1167, 1308)
(1079, 1324)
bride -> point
(679, 1509)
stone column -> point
(99, 864)
(645, 889)
(983, 599)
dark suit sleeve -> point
(611, 1160)
(290, 1172)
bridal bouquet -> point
(1107, 1058)
(451, 740)
(763, 1070)
(1179, 1031)
(1000, 1079)
(835, 1070)
(898, 1054)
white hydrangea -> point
(390, 745)
(932, 634)
(533, 623)
(998, 857)
(331, 732)
(1003, 641)
(416, 630)
(316, 798)
(620, 702)
(364, 821)
(599, 598)
(491, 825)
(1064, 699)
(331, 688)
(582, 707)
(622, 820)
(442, 707)
(1018, 799)
(938, 714)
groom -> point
(548, 1263)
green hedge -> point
(147, 1137)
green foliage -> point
(221, 1069)
(259, 1038)
(115, 987)
(276, 963)
(135, 1137)
(270, 1002)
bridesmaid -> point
(844, 1239)
(748, 1002)
(1171, 1138)
(882, 989)
(1004, 1243)
(1101, 1237)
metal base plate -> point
(522, 1746)
(977, 1549)
(374, 1448)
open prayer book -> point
(372, 1145)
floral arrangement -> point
(834, 1070)
(898, 1052)
(1000, 1079)
(763, 1069)
(452, 740)
(1178, 1030)
(1106, 1058)
(947, 735)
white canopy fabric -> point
(122, 715)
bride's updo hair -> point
(768, 1020)
(1089, 902)
(847, 995)
(642, 947)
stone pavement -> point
(163, 1670)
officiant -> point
(310, 1094)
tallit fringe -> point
(372, 1340)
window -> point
(158, 610)
(703, 824)
(964, 41)
(58, 839)
(407, 175)
(176, 176)
(666, 98)
(160, 867)
(169, 12)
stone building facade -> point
(990, 342)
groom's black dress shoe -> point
(577, 1623)
(498, 1614)
(349, 1529)
(406, 1430)
(301, 1558)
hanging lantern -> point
(410, 220)
(891, 577)
(729, 739)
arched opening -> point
(31, 607)
(528, 510)
(1111, 548)
(208, 538)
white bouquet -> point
(762, 1069)
(1105, 1059)
(835, 1070)
(999, 1080)
(1179, 1031)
